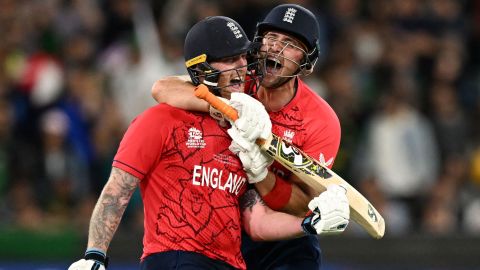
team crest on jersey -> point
(288, 136)
(195, 139)
(289, 15)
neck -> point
(274, 99)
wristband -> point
(280, 194)
(96, 255)
(307, 224)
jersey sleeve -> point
(142, 144)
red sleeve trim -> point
(280, 194)
(129, 169)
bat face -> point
(319, 177)
(293, 159)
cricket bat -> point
(309, 170)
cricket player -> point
(288, 40)
(193, 187)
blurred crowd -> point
(402, 75)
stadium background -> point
(402, 75)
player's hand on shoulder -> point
(330, 212)
(86, 265)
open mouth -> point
(236, 84)
(235, 81)
(273, 65)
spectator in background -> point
(400, 159)
(63, 169)
(133, 64)
(6, 152)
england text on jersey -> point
(212, 177)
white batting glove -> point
(255, 164)
(330, 212)
(253, 121)
(86, 265)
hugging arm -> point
(329, 214)
(297, 199)
(177, 91)
(263, 223)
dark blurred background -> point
(402, 75)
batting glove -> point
(330, 212)
(253, 121)
(255, 163)
(93, 260)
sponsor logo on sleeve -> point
(324, 162)
(288, 136)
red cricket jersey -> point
(309, 123)
(190, 183)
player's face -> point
(283, 55)
(232, 77)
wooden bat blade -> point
(319, 177)
(309, 170)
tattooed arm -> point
(265, 224)
(110, 207)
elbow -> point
(159, 89)
(255, 228)
(255, 234)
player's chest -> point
(202, 142)
(289, 126)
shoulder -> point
(158, 118)
(315, 105)
(159, 112)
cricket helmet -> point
(214, 38)
(211, 39)
(297, 21)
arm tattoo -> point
(110, 207)
(249, 199)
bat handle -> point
(202, 92)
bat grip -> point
(202, 92)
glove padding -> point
(255, 163)
(330, 212)
(253, 122)
(86, 265)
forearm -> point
(264, 224)
(298, 201)
(178, 91)
(109, 209)
(278, 226)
